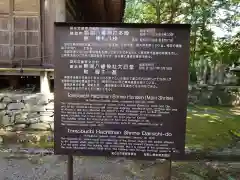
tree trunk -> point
(173, 10)
(200, 70)
(212, 74)
(192, 8)
(158, 11)
(205, 71)
(220, 73)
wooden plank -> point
(20, 32)
(4, 53)
(27, 22)
(4, 6)
(48, 21)
(27, 69)
(4, 22)
(11, 39)
(4, 37)
(30, 6)
(41, 32)
(18, 73)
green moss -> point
(43, 143)
(208, 127)
(46, 144)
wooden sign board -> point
(121, 89)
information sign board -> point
(121, 89)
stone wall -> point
(26, 111)
(214, 95)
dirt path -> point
(54, 168)
(51, 167)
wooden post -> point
(45, 83)
(70, 167)
(60, 10)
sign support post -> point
(70, 167)
(170, 165)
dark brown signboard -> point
(121, 89)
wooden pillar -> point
(55, 11)
(60, 10)
(45, 83)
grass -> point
(207, 128)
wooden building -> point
(27, 31)
(26, 36)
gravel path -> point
(19, 166)
(54, 168)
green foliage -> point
(203, 15)
(137, 12)
(192, 73)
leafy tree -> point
(208, 52)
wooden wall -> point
(20, 33)
(48, 18)
(27, 31)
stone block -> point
(33, 115)
(6, 99)
(28, 107)
(22, 115)
(2, 113)
(6, 121)
(39, 108)
(33, 120)
(12, 113)
(49, 106)
(40, 127)
(3, 106)
(46, 113)
(31, 102)
(9, 128)
(15, 106)
(29, 96)
(21, 118)
(1, 140)
(46, 119)
(19, 127)
(49, 96)
(52, 126)
(42, 99)
(17, 97)
(34, 108)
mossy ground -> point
(207, 128)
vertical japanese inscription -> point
(121, 90)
